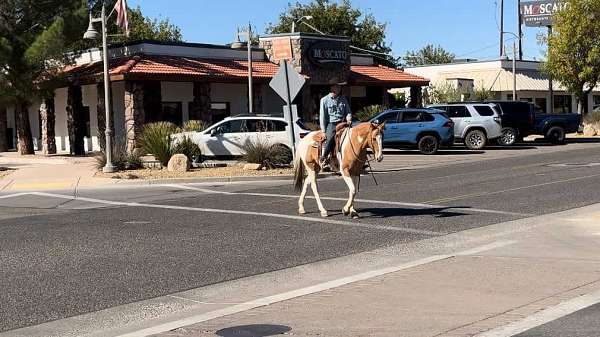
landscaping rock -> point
(178, 163)
(591, 130)
(252, 167)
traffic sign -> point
(280, 80)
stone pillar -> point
(134, 113)
(3, 130)
(257, 100)
(415, 97)
(48, 118)
(200, 109)
(75, 120)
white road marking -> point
(545, 316)
(368, 201)
(229, 211)
(512, 189)
(14, 195)
(303, 292)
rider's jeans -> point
(330, 143)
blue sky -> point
(468, 28)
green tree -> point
(429, 54)
(337, 19)
(443, 93)
(146, 28)
(34, 35)
(574, 48)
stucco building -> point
(153, 81)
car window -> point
(426, 117)
(230, 127)
(484, 110)
(390, 117)
(255, 125)
(458, 111)
(277, 125)
(411, 116)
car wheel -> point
(428, 144)
(508, 137)
(475, 140)
(556, 135)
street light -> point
(305, 17)
(514, 63)
(239, 45)
(92, 34)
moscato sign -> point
(539, 13)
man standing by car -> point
(334, 109)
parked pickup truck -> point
(521, 119)
(554, 127)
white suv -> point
(227, 137)
(474, 123)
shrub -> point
(156, 140)
(194, 125)
(369, 112)
(187, 147)
(592, 117)
(260, 151)
(120, 159)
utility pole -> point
(250, 94)
(550, 88)
(514, 69)
(501, 27)
(520, 31)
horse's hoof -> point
(345, 212)
(324, 214)
(301, 211)
(355, 216)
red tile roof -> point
(381, 74)
(178, 68)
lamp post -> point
(92, 34)
(514, 63)
(305, 17)
(239, 45)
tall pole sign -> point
(287, 83)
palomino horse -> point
(351, 154)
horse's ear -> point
(381, 126)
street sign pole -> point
(288, 101)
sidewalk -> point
(459, 295)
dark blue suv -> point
(427, 129)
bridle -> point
(367, 160)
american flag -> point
(122, 21)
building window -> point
(218, 111)
(596, 102)
(171, 112)
(562, 104)
(509, 97)
(526, 99)
(541, 104)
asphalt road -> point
(582, 323)
(61, 257)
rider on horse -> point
(334, 110)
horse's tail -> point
(299, 173)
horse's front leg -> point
(348, 208)
(353, 211)
(302, 195)
(312, 177)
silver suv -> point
(474, 123)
